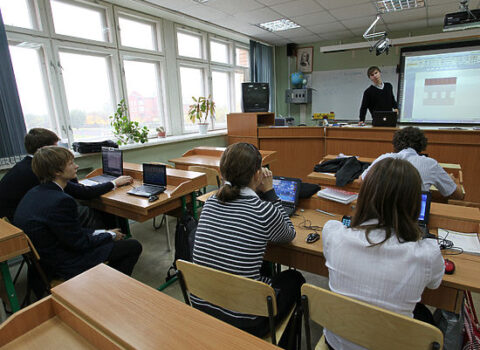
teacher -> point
(378, 96)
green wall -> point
(360, 58)
(157, 153)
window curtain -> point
(261, 67)
(12, 125)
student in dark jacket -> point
(20, 179)
(49, 216)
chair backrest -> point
(226, 290)
(367, 325)
(213, 176)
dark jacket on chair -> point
(20, 179)
(49, 217)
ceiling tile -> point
(408, 25)
(307, 39)
(314, 18)
(358, 22)
(327, 28)
(437, 21)
(295, 33)
(173, 5)
(437, 2)
(441, 10)
(338, 35)
(203, 12)
(334, 4)
(362, 10)
(297, 8)
(234, 6)
(272, 2)
(404, 16)
(258, 16)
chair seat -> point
(321, 345)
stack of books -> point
(336, 195)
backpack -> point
(184, 240)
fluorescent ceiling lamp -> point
(279, 25)
(200, 1)
(385, 6)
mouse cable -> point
(445, 244)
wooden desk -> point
(104, 309)
(210, 157)
(13, 242)
(180, 183)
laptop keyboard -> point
(148, 188)
(103, 178)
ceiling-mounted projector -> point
(461, 20)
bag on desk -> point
(184, 239)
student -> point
(234, 229)
(378, 96)
(49, 217)
(20, 179)
(407, 144)
(381, 259)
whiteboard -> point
(341, 91)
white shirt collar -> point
(58, 185)
(408, 151)
(248, 192)
(29, 155)
(379, 86)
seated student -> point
(49, 217)
(20, 179)
(381, 259)
(233, 231)
(408, 143)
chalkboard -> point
(341, 91)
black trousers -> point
(124, 255)
(98, 220)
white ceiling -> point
(319, 19)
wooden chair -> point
(366, 325)
(231, 292)
(213, 176)
(464, 203)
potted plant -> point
(201, 109)
(126, 130)
(161, 131)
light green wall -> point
(159, 153)
(350, 59)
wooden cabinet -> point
(243, 127)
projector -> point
(461, 20)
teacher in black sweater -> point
(378, 96)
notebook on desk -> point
(288, 190)
(154, 180)
(425, 214)
(384, 118)
(112, 165)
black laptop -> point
(154, 180)
(112, 164)
(384, 118)
(425, 214)
(288, 190)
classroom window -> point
(32, 84)
(140, 34)
(80, 20)
(242, 57)
(20, 13)
(221, 96)
(144, 92)
(189, 45)
(89, 92)
(219, 52)
(192, 85)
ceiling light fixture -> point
(278, 25)
(383, 44)
(385, 6)
(200, 1)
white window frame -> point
(231, 82)
(38, 8)
(203, 44)
(157, 22)
(229, 45)
(244, 47)
(160, 61)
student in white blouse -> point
(381, 259)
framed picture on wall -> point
(305, 59)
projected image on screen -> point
(440, 86)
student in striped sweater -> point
(234, 229)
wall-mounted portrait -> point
(305, 59)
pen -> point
(325, 212)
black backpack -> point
(184, 239)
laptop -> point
(154, 180)
(288, 190)
(384, 118)
(425, 214)
(112, 164)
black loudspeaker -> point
(291, 49)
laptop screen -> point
(286, 189)
(154, 174)
(112, 161)
(424, 208)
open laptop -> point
(384, 118)
(288, 190)
(154, 180)
(112, 164)
(425, 214)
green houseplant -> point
(200, 110)
(126, 130)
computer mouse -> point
(152, 198)
(449, 267)
(312, 237)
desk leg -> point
(12, 295)
(194, 205)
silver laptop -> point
(154, 180)
(112, 164)
(288, 190)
